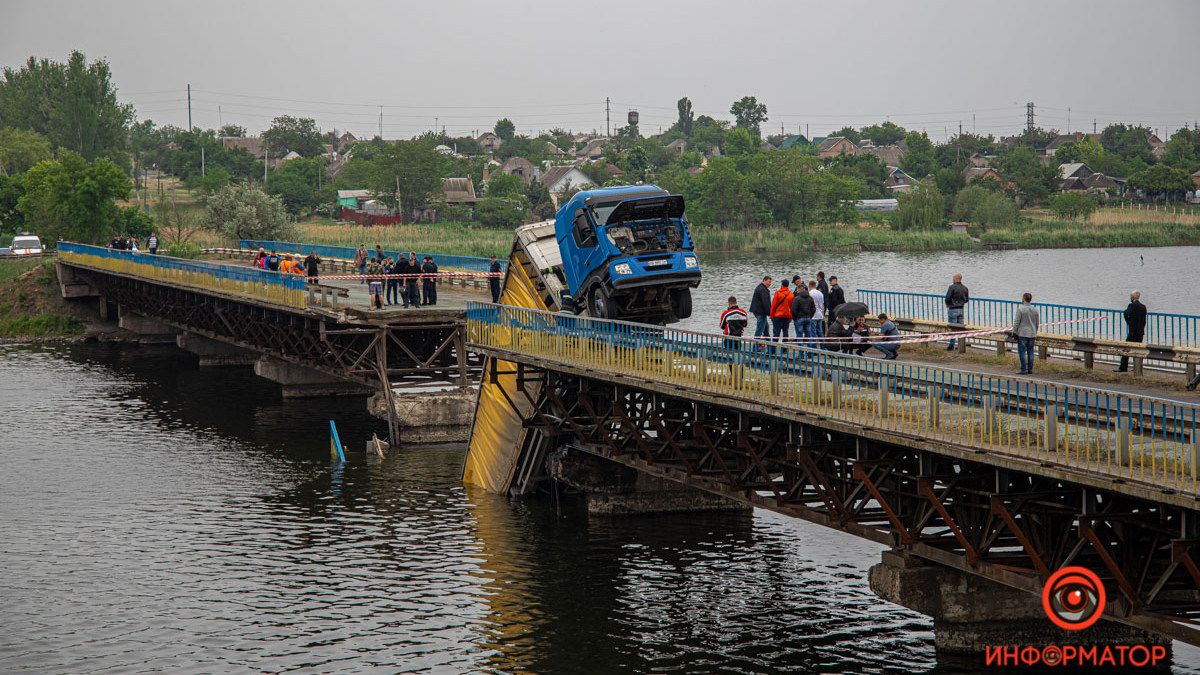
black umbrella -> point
(851, 310)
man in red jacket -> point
(781, 311)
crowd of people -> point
(397, 280)
(810, 311)
(128, 243)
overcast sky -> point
(551, 63)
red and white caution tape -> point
(926, 337)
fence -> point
(1139, 438)
(462, 262)
(1176, 330)
(282, 289)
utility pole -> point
(189, 108)
(972, 124)
(1068, 120)
(266, 157)
(1029, 116)
(806, 136)
(607, 117)
(1093, 125)
(381, 123)
(220, 118)
(202, 161)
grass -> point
(13, 267)
(829, 237)
(28, 295)
(14, 325)
(1045, 233)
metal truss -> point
(1010, 526)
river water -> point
(155, 517)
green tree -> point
(1034, 180)
(708, 132)
(1162, 180)
(1181, 151)
(888, 133)
(242, 211)
(293, 134)
(213, 180)
(409, 174)
(918, 160)
(11, 189)
(20, 150)
(848, 132)
(686, 117)
(296, 183)
(73, 104)
(505, 212)
(721, 195)
(73, 198)
(505, 129)
(868, 169)
(232, 130)
(740, 145)
(1072, 205)
(1128, 141)
(505, 185)
(749, 113)
(949, 181)
(982, 206)
(920, 209)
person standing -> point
(957, 297)
(429, 281)
(391, 287)
(375, 287)
(311, 266)
(803, 309)
(360, 261)
(494, 280)
(1025, 328)
(834, 297)
(410, 282)
(760, 307)
(816, 327)
(733, 323)
(1135, 325)
(152, 244)
(781, 311)
(821, 285)
(379, 254)
(399, 269)
(274, 261)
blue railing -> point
(464, 262)
(1176, 330)
(218, 270)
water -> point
(155, 517)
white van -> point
(26, 244)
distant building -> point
(554, 151)
(837, 145)
(898, 180)
(458, 191)
(559, 179)
(251, 144)
(788, 142)
(346, 140)
(678, 146)
(1196, 179)
(888, 154)
(522, 168)
(354, 199)
(489, 141)
(877, 204)
(974, 173)
(1098, 182)
(1074, 170)
(593, 150)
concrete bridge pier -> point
(214, 353)
(429, 416)
(618, 490)
(971, 613)
(148, 330)
(300, 382)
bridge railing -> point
(282, 289)
(462, 262)
(1133, 437)
(1176, 330)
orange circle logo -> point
(1074, 598)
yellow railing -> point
(1133, 437)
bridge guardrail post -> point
(933, 399)
(884, 385)
(1124, 442)
(989, 415)
(835, 389)
(1051, 429)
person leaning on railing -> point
(1135, 322)
(957, 297)
(1025, 328)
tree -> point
(11, 189)
(918, 160)
(293, 134)
(408, 174)
(1034, 180)
(503, 212)
(708, 132)
(920, 209)
(73, 198)
(686, 117)
(213, 180)
(721, 195)
(888, 133)
(245, 212)
(741, 145)
(1161, 180)
(849, 133)
(1128, 141)
(505, 185)
(73, 104)
(20, 150)
(232, 131)
(1181, 151)
(979, 205)
(868, 169)
(749, 113)
(505, 129)
(296, 182)
(1072, 205)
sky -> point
(463, 64)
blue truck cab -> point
(627, 254)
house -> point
(888, 154)
(346, 140)
(980, 160)
(837, 145)
(559, 179)
(593, 150)
(292, 154)
(1098, 182)
(354, 199)
(1073, 184)
(1074, 170)
(458, 191)
(1058, 141)
(251, 144)
(489, 141)
(974, 173)
(1196, 179)
(678, 146)
(554, 151)
(898, 180)
(522, 168)
(788, 142)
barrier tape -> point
(423, 275)
(917, 339)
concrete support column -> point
(71, 284)
(148, 330)
(429, 417)
(971, 613)
(301, 382)
(213, 353)
(618, 490)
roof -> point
(1100, 181)
(554, 149)
(832, 142)
(678, 144)
(1070, 169)
(458, 190)
(251, 144)
(593, 146)
(355, 194)
(555, 173)
(888, 154)
(973, 172)
(793, 140)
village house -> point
(898, 180)
(888, 154)
(458, 191)
(593, 150)
(251, 144)
(554, 151)
(1196, 179)
(837, 145)
(522, 168)
(346, 140)
(974, 173)
(793, 140)
(489, 142)
(678, 146)
(559, 179)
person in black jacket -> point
(834, 297)
(494, 280)
(429, 283)
(957, 297)
(803, 308)
(843, 337)
(760, 307)
(821, 285)
(1135, 322)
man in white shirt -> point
(817, 325)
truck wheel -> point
(681, 303)
(598, 305)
